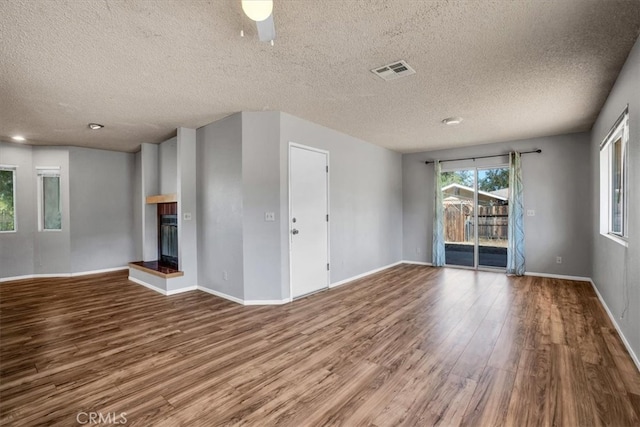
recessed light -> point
(18, 138)
(95, 126)
(452, 120)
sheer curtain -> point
(437, 251)
(515, 247)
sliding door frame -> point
(476, 239)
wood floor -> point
(411, 345)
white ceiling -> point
(511, 69)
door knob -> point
(294, 231)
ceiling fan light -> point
(258, 10)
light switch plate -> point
(186, 216)
(269, 216)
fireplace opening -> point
(168, 234)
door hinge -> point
(327, 169)
(327, 217)
(327, 267)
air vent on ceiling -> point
(394, 70)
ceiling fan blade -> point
(266, 29)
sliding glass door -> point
(459, 201)
(475, 205)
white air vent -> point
(394, 70)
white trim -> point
(11, 279)
(244, 302)
(33, 276)
(14, 194)
(104, 270)
(48, 172)
(147, 285)
(267, 301)
(634, 357)
(181, 290)
(221, 294)
(558, 276)
(416, 263)
(44, 276)
(367, 273)
(618, 239)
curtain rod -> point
(483, 157)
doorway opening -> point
(476, 215)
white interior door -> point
(308, 219)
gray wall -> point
(557, 185)
(167, 166)
(261, 184)
(101, 205)
(138, 207)
(365, 200)
(150, 186)
(16, 249)
(187, 206)
(96, 192)
(243, 173)
(52, 254)
(219, 211)
(616, 270)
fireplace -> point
(168, 234)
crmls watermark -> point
(100, 418)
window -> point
(614, 182)
(49, 212)
(7, 198)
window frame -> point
(50, 172)
(618, 133)
(13, 170)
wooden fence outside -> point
(459, 227)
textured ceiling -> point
(511, 69)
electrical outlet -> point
(269, 216)
(225, 276)
(186, 216)
(531, 212)
(558, 260)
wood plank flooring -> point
(411, 345)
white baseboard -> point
(11, 279)
(558, 276)
(147, 285)
(221, 295)
(104, 270)
(365, 274)
(267, 301)
(417, 263)
(181, 290)
(50, 275)
(34, 276)
(634, 357)
(242, 301)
